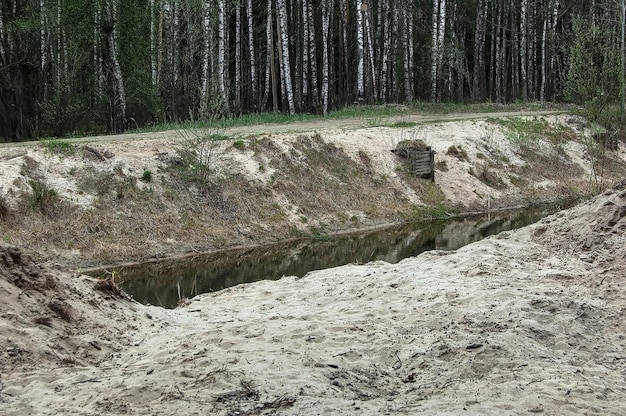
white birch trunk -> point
(438, 34)
(238, 55)
(360, 80)
(305, 50)
(553, 26)
(2, 49)
(622, 9)
(153, 57)
(59, 47)
(384, 79)
(523, 48)
(221, 51)
(286, 68)
(312, 54)
(42, 35)
(408, 94)
(326, 11)
(270, 76)
(542, 93)
(251, 51)
(174, 49)
(206, 37)
(120, 121)
(367, 17)
(498, 55)
(479, 50)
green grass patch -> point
(58, 147)
(403, 124)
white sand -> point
(530, 321)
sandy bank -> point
(530, 321)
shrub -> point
(42, 198)
(147, 176)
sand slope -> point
(524, 322)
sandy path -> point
(308, 126)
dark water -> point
(164, 283)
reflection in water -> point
(165, 282)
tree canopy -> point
(106, 65)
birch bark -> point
(360, 83)
(206, 47)
(438, 34)
(286, 68)
(153, 57)
(252, 53)
(479, 50)
(407, 26)
(305, 50)
(118, 93)
(2, 50)
(384, 79)
(312, 54)
(221, 51)
(542, 93)
(523, 49)
(327, 6)
(367, 17)
(238, 56)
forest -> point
(95, 66)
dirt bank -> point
(530, 321)
(102, 201)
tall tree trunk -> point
(305, 53)
(544, 35)
(360, 80)
(153, 56)
(270, 73)
(312, 51)
(206, 57)
(286, 67)
(622, 10)
(117, 93)
(327, 6)
(252, 53)
(386, 34)
(221, 52)
(438, 34)
(479, 51)
(367, 17)
(3, 59)
(238, 77)
(407, 52)
(499, 54)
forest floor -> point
(528, 321)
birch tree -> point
(360, 83)
(206, 37)
(523, 48)
(221, 52)
(327, 6)
(479, 50)
(238, 57)
(438, 34)
(117, 93)
(252, 53)
(286, 67)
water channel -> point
(165, 282)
